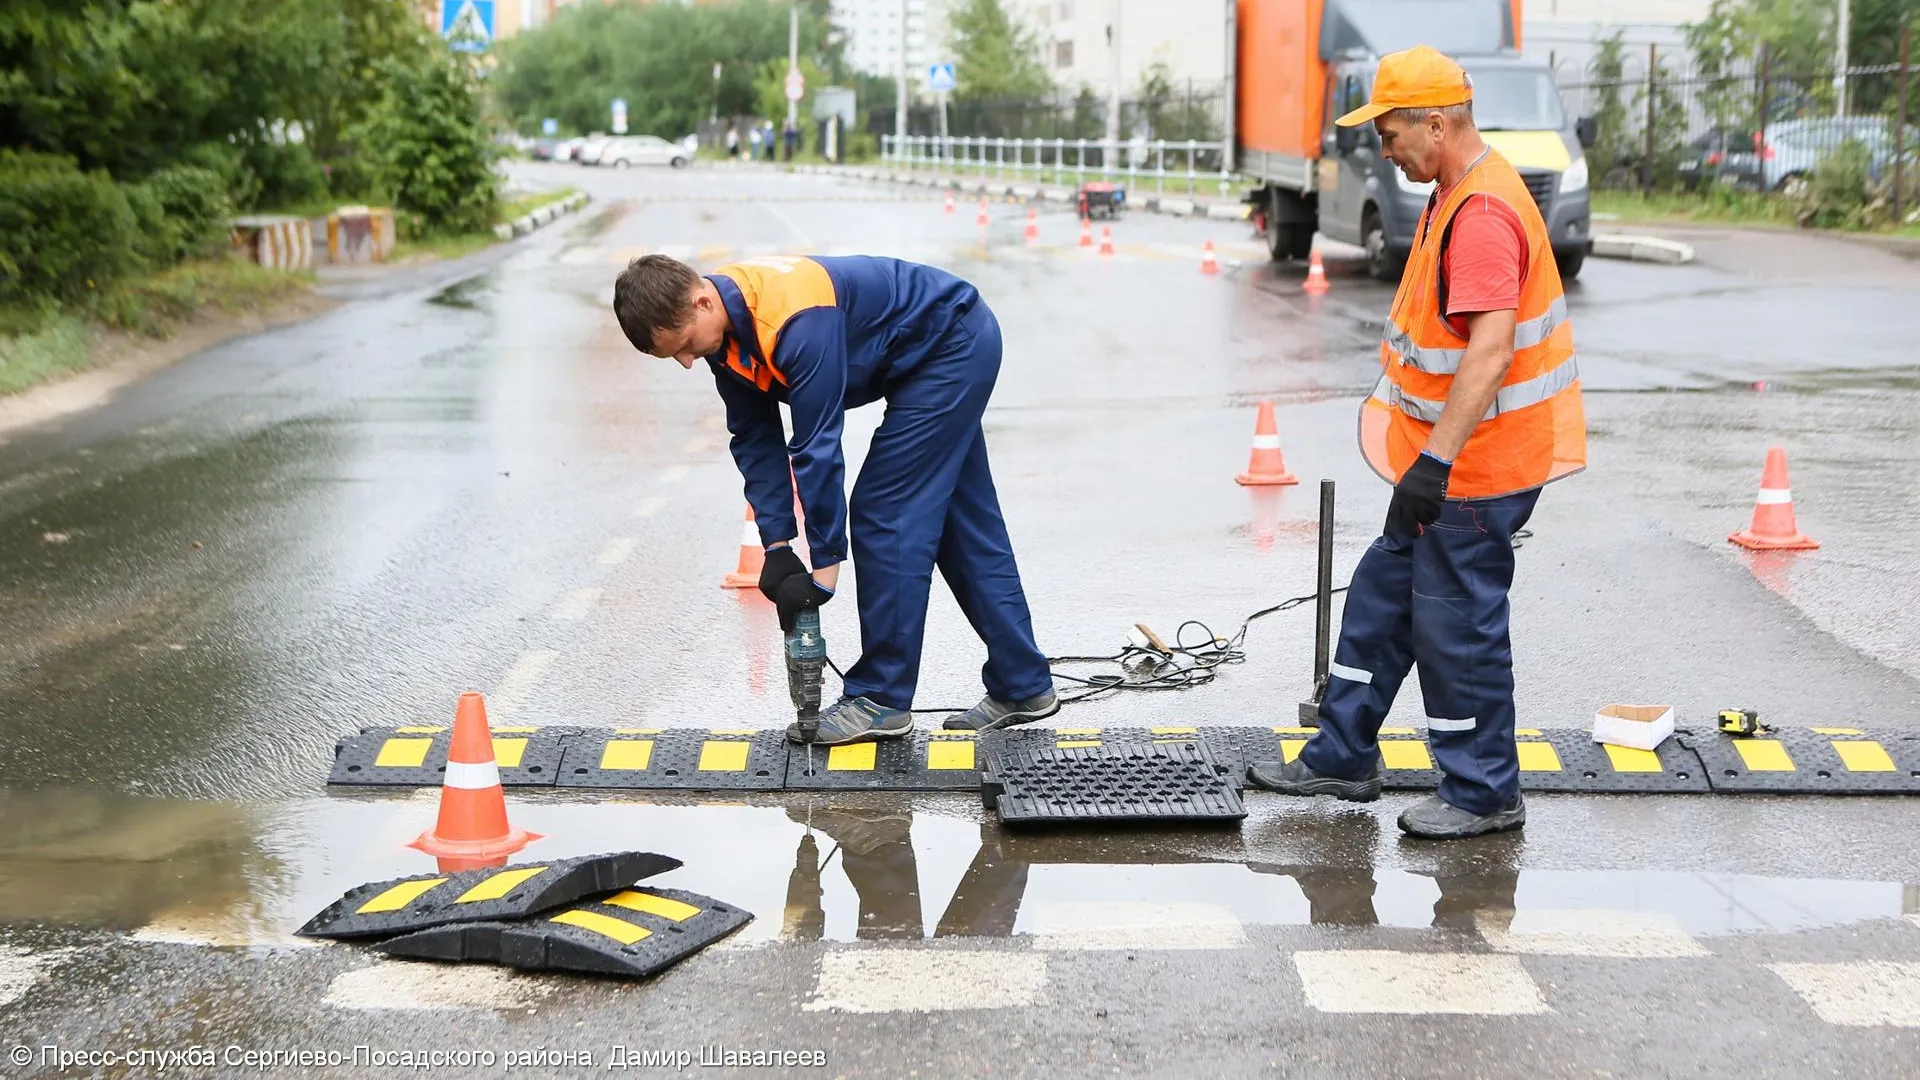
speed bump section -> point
(1569, 760)
(923, 761)
(634, 933)
(696, 759)
(506, 892)
(1810, 761)
(416, 756)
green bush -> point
(63, 232)
(195, 201)
(158, 235)
(228, 162)
(284, 173)
(426, 145)
(1839, 189)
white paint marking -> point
(1859, 993)
(393, 984)
(1626, 934)
(520, 679)
(696, 446)
(616, 551)
(649, 506)
(577, 604)
(22, 970)
(218, 930)
(1132, 925)
(1367, 981)
(715, 423)
(927, 980)
(675, 474)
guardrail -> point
(1192, 162)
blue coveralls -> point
(925, 341)
(1439, 600)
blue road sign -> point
(549, 126)
(940, 78)
(468, 24)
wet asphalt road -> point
(464, 478)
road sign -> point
(468, 24)
(796, 84)
(940, 78)
(619, 116)
(549, 126)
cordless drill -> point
(806, 658)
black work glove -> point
(781, 563)
(1418, 496)
(796, 594)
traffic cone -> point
(1316, 282)
(1773, 527)
(949, 208)
(983, 219)
(1086, 231)
(1033, 226)
(472, 827)
(746, 575)
(1208, 265)
(1265, 466)
(1106, 239)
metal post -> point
(1900, 130)
(793, 59)
(1760, 125)
(1653, 70)
(1322, 612)
(1840, 60)
(900, 92)
(1113, 80)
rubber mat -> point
(415, 903)
(416, 756)
(678, 758)
(1565, 760)
(1810, 761)
(925, 761)
(1404, 754)
(633, 933)
(1114, 781)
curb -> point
(546, 215)
(1639, 247)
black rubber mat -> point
(924, 761)
(504, 892)
(1114, 781)
(633, 933)
(1816, 761)
(1565, 760)
(417, 756)
(693, 759)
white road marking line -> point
(1626, 934)
(714, 423)
(394, 984)
(1132, 925)
(696, 446)
(520, 679)
(616, 551)
(1370, 981)
(676, 252)
(21, 970)
(577, 604)
(217, 930)
(1859, 993)
(649, 506)
(675, 474)
(927, 980)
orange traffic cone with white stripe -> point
(1033, 226)
(473, 807)
(1773, 527)
(1106, 239)
(1316, 282)
(1086, 231)
(1265, 466)
(1209, 264)
(983, 219)
(949, 208)
(746, 575)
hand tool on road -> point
(1740, 723)
(806, 651)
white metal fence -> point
(1161, 163)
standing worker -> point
(1479, 407)
(825, 335)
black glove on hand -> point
(781, 564)
(796, 594)
(1418, 496)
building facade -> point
(874, 34)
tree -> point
(1170, 114)
(995, 58)
(426, 144)
(1612, 151)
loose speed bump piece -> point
(416, 755)
(506, 892)
(634, 932)
(1815, 761)
(1109, 782)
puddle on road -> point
(230, 874)
(466, 293)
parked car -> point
(1720, 156)
(1794, 147)
(643, 150)
(589, 151)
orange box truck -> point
(1301, 63)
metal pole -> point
(900, 92)
(1900, 129)
(1653, 68)
(1760, 126)
(1322, 612)
(1840, 61)
(793, 58)
(1229, 101)
(1113, 79)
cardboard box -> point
(1642, 727)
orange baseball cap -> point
(1418, 78)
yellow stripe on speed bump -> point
(733, 731)
(949, 754)
(1398, 731)
(856, 757)
(637, 731)
(723, 756)
(1837, 731)
(507, 752)
(1632, 759)
(499, 884)
(422, 729)
(402, 753)
(1405, 754)
(1764, 755)
(665, 907)
(1076, 731)
(1290, 748)
(1538, 757)
(629, 754)
(399, 896)
(1526, 733)
(1175, 731)
(1863, 755)
(1073, 744)
(625, 933)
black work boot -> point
(1294, 778)
(1433, 819)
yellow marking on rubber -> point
(629, 754)
(1399, 731)
(1863, 756)
(418, 729)
(1526, 733)
(856, 757)
(1633, 759)
(952, 734)
(1290, 748)
(1175, 731)
(1074, 744)
(723, 756)
(733, 731)
(624, 932)
(499, 884)
(399, 896)
(954, 754)
(1538, 757)
(402, 754)
(1077, 731)
(665, 907)
(507, 752)
(1837, 731)
(637, 731)
(1408, 754)
(515, 730)
(1764, 755)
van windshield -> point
(1516, 100)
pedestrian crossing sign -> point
(940, 78)
(467, 24)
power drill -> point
(806, 658)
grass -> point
(1716, 205)
(527, 204)
(443, 247)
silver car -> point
(1794, 147)
(643, 150)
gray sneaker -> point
(855, 720)
(1294, 778)
(1432, 819)
(991, 715)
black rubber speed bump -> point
(924, 761)
(417, 756)
(503, 892)
(1404, 755)
(1569, 760)
(1810, 761)
(636, 933)
(697, 759)
(1118, 780)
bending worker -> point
(1479, 407)
(823, 336)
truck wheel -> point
(1382, 263)
(1288, 240)
(1570, 260)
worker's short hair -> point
(1460, 115)
(654, 292)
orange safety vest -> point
(776, 288)
(1536, 430)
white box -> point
(1642, 727)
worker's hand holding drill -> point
(785, 580)
(1417, 498)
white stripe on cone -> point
(472, 777)
(1774, 496)
(1266, 442)
(750, 535)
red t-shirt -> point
(1486, 259)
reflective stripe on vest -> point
(1505, 400)
(1526, 334)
